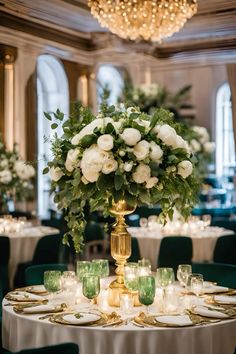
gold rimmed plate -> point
(85, 319)
(37, 309)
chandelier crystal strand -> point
(143, 19)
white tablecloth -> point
(203, 244)
(22, 332)
(22, 245)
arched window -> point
(110, 77)
(225, 147)
(52, 93)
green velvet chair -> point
(135, 253)
(225, 250)
(222, 274)
(4, 260)
(47, 251)
(175, 250)
(35, 273)
(65, 348)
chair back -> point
(222, 274)
(135, 252)
(4, 260)
(48, 249)
(34, 274)
(65, 348)
(225, 250)
(175, 250)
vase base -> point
(116, 289)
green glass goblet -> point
(147, 289)
(83, 268)
(91, 286)
(52, 281)
(101, 267)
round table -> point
(22, 245)
(27, 331)
(149, 241)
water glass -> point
(100, 267)
(165, 277)
(147, 289)
(91, 286)
(83, 268)
(183, 272)
(195, 282)
(68, 280)
(131, 276)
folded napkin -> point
(207, 312)
(211, 289)
(23, 295)
(40, 309)
(84, 319)
(179, 320)
(224, 299)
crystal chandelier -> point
(143, 19)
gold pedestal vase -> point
(120, 251)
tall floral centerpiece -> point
(15, 176)
(116, 161)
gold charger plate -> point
(19, 308)
(104, 320)
(150, 321)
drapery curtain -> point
(231, 72)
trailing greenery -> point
(119, 154)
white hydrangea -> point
(55, 173)
(5, 176)
(185, 168)
(72, 159)
(106, 142)
(23, 171)
(141, 150)
(142, 173)
(131, 136)
(156, 152)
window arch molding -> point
(225, 145)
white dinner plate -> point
(175, 320)
(84, 319)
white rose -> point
(180, 143)
(122, 153)
(209, 146)
(72, 159)
(151, 182)
(185, 168)
(84, 180)
(5, 176)
(142, 173)
(156, 152)
(195, 145)
(143, 123)
(109, 166)
(96, 123)
(4, 163)
(167, 134)
(202, 132)
(141, 150)
(131, 136)
(90, 174)
(105, 142)
(156, 129)
(128, 166)
(55, 173)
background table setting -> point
(23, 236)
(187, 315)
(203, 236)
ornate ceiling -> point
(212, 29)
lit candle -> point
(126, 303)
(103, 300)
